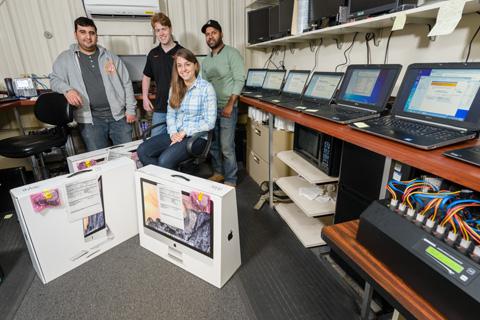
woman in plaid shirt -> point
(192, 108)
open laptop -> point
(437, 105)
(320, 91)
(363, 94)
(293, 88)
(470, 155)
(255, 78)
(271, 85)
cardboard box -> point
(189, 221)
(86, 160)
(69, 220)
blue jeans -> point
(159, 117)
(222, 150)
(158, 151)
(97, 135)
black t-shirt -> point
(159, 68)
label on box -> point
(83, 196)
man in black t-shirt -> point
(159, 69)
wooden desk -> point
(342, 240)
(15, 105)
(432, 161)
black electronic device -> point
(321, 150)
(365, 8)
(254, 82)
(363, 94)
(10, 178)
(9, 87)
(438, 104)
(135, 64)
(292, 90)
(271, 86)
(285, 17)
(319, 92)
(324, 13)
(470, 155)
(273, 22)
(448, 278)
(258, 25)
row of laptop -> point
(438, 104)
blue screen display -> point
(367, 86)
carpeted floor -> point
(278, 279)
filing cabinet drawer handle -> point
(258, 132)
(256, 159)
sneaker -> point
(217, 177)
(231, 184)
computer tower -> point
(10, 178)
(360, 182)
(324, 13)
(285, 17)
(273, 20)
(258, 25)
(365, 8)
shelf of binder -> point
(304, 168)
(311, 208)
(307, 229)
(424, 14)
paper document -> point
(399, 22)
(83, 197)
(170, 206)
(448, 17)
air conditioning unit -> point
(121, 8)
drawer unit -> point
(257, 139)
(258, 168)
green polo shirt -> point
(226, 72)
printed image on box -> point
(179, 215)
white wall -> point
(26, 50)
(410, 45)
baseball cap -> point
(213, 24)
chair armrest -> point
(192, 140)
(147, 132)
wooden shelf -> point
(308, 230)
(431, 161)
(304, 168)
(310, 208)
(424, 14)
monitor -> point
(135, 65)
(368, 85)
(183, 216)
(258, 25)
(296, 82)
(447, 93)
(322, 86)
(273, 80)
(363, 8)
(255, 77)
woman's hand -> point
(177, 137)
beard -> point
(215, 44)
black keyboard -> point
(350, 112)
(415, 128)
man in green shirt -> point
(225, 70)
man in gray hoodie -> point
(97, 83)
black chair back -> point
(53, 108)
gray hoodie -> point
(66, 75)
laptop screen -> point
(322, 86)
(442, 93)
(273, 80)
(296, 82)
(368, 85)
(255, 78)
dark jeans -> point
(158, 151)
(96, 135)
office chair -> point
(51, 108)
(192, 164)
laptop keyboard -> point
(415, 128)
(350, 112)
